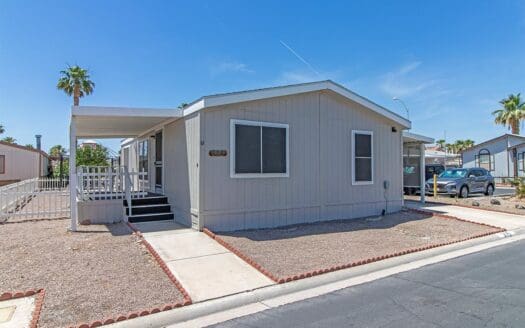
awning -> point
(413, 137)
(117, 122)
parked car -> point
(462, 182)
(431, 169)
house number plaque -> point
(218, 152)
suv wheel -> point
(490, 190)
(463, 192)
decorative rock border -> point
(39, 302)
(140, 313)
(312, 273)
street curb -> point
(312, 273)
(210, 307)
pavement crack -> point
(412, 313)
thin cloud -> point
(402, 82)
(303, 76)
(231, 67)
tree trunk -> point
(515, 127)
(76, 95)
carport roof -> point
(118, 122)
(413, 137)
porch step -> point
(149, 209)
(148, 200)
(151, 217)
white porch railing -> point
(104, 183)
(35, 198)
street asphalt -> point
(485, 289)
(504, 191)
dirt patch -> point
(508, 204)
(295, 250)
(101, 271)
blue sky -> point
(450, 61)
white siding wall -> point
(503, 161)
(319, 186)
(21, 164)
(181, 171)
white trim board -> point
(251, 95)
(353, 149)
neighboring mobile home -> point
(262, 158)
(502, 156)
(19, 163)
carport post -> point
(422, 172)
(73, 174)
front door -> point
(158, 162)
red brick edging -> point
(140, 313)
(39, 302)
(312, 273)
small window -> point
(2, 164)
(521, 164)
(143, 156)
(258, 149)
(362, 157)
(484, 160)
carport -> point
(109, 122)
(414, 162)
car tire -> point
(463, 192)
(490, 190)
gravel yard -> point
(99, 272)
(507, 204)
(295, 250)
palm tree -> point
(2, 130)
(460, 145)
(441, 143)
(57, 150)
(75, 81)
(512, 113)
(9, 140)
(469, 143)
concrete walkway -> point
(502, 220)
(206, 269)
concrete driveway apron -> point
(502, 220)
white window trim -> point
(371, 134)
(234, 122)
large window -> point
(521, 162)
(362, 157)
(484, 160)
(258, 149)
(2, 164)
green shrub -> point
(519, 183)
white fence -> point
(35, 198)
(103, 183)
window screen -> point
(260, 149)
(247, 149)
(362, 157)
(2, 164)
(274, 150)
